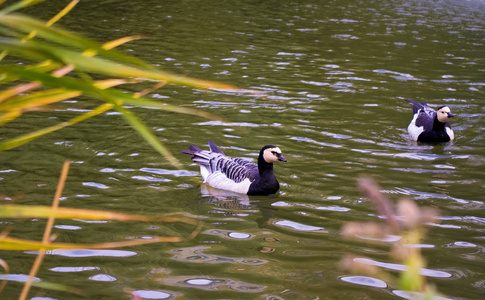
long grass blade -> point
(20, 4)
(103, 66)
(148, 135)
(16, 90)
(28, 245)
(54, 19)
(64, 37)
(57, 287)
(47, 232)
(9, 117)
(42, 98)
(4, 265)
(21, 211)
(116, 98)
(62, 13)
(89, 89)
(115, 43)
(112, 44)
(35, 211)
(38, 99)
(15, 142)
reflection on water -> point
(325, 81)
(87, 253)
(17, 277)
(211, 284)
(197, 255)
(415, 295)
(102, 277)
(147, 294)
(73, 269)
(399, 267)
(297, 226)
(364, 280)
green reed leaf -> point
(25, 245)
(90, 89)
(64, 37)
(147, 135)
(38, 211)
(19, 5)
(15, 142)
(41, 51)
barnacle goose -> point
(430, 126)
(238, 174)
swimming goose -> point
(238, 174)
(430, 126)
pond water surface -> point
(333, 77)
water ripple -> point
(400, 267)
(102, 277)
(239, 124)
(309, 140)
(73, 269)
(150, 294)
(212, 284)
(150, 179)
(68, 227)
(87, 253)
(176, 173)
(416, 295)
(397, 75)
(96, 185)
(196, 255)
(230, 234)
(298, 226)
(365, 280)
(17, 277)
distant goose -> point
(237, 174)
(430, 126)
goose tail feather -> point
(193, 149)
(214, 148)
(416, 105)
(199, 156)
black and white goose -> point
(430, 126)
(238, 174)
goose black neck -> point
(437, 125)
(264, 167)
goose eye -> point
(274, 152)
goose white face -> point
(271, 155)
(444, 114)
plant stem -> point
(47, 232)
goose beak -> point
(281, 157)
(450, 115)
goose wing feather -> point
(425, 118)
(423, 114)
(252, 171)
(235, 169)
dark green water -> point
(333, 77)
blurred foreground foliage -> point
(58, 65)
(405, 222)
(56, 212)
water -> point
(333, 76)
